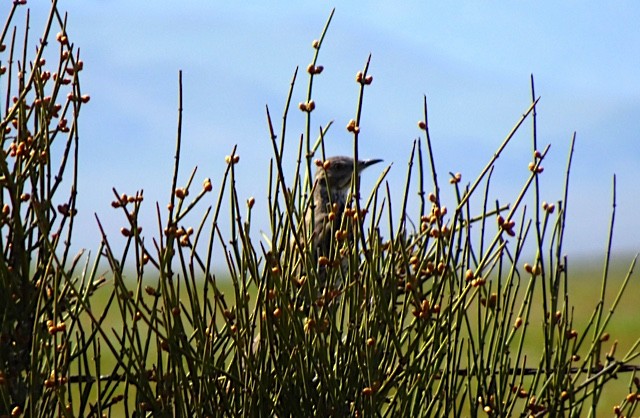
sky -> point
(472, 60)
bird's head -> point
(338, 171)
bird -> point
(331, 195)
(323, 216)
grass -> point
(473, 311)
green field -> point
(585, 286)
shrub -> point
(437, 318)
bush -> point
(434, 319)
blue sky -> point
(473, 60)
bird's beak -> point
(367, 163)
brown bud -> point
(558, 316)
(309, 324)
(506, 224)
(480, 281)
(206, 185)
(314, 69)
(300, 281)
(493, 299)
(469, 275)
(63, 209)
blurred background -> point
(472, 60)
